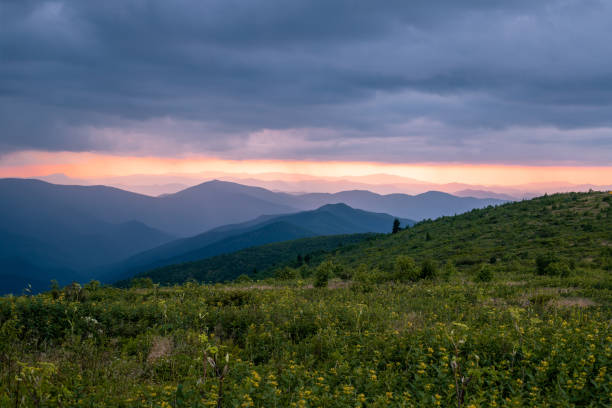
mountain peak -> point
(336, 208)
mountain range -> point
(67, 232)
(157, 184)
(330, 219)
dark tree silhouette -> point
(396, 226)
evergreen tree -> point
(396, 226)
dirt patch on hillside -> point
(162, 347)
(573, 302)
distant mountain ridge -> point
(71, 231)
(330, 219)
(431, 204)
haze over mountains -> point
(67, 232)
(155, 185)
(330, 219)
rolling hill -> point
(571, 230)
(257, 262)
(331, 219)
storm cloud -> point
(397, 81)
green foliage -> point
(406, 269)
(266, 260)
(485, 274)
(287, 273)
(143, 283)
(510, 236)
(429, 269)
(558, 268)
(448, 271)
(536, 335)
(243, 279)
(537, 343)
(323, 273)
(552, 265)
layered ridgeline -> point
(66, 233)
(331, 219)
(557, 234)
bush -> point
(143, 283)
(287, 273)
(405, 269)
(448, 270)
(429, 269)
(485, 274)
(243, 279)
(323, 274)
(343, 273)
(559, 268)
(551, 265)
(542, 262)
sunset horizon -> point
(91, 166)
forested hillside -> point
(562, 231)
(331, 219)
(256, 262)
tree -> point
(323, 274)
(396, 226)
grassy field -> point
(519, 315)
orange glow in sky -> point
(94, 165)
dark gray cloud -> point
(477, 80)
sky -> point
(469, 91)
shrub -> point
(405, 269)
(287, 273)
(429, 269)
(243, 279)
(143, 283)
(559, 268)
(485, 274)
(343, 273)
(542, 262)
(448, 270)
(323, 274)
(551, 265)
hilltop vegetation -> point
(565, 232)
(502, 307)
(256, 262)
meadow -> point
(512, 342)
(484, 328)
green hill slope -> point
(258, 262)
(569, 231)
(331, 219)
(574, 228)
